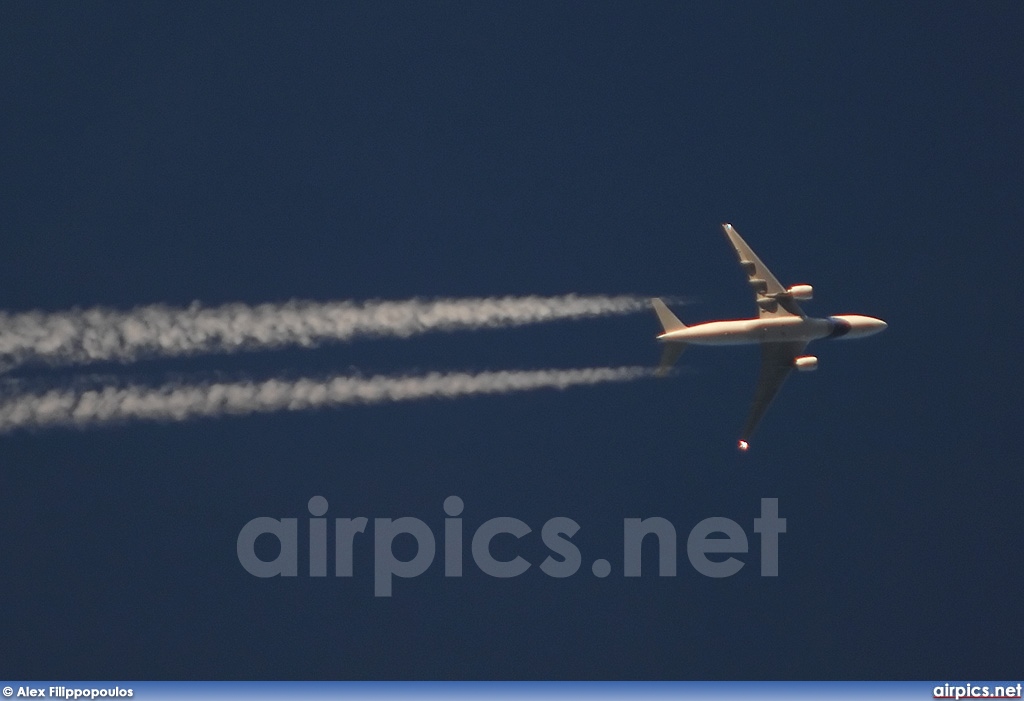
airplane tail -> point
(668, 320)
(669, 356)
(673, 349)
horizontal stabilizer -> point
(669, 321)
(669, 356)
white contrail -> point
(181, 402)
(78, 336)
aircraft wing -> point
(773, 300)
(776, 364)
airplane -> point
(782, 329)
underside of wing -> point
(772, 298)
(776, 364)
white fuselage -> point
(782, 329)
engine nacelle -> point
(801, 292)
(805, 363)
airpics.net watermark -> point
(707, 542)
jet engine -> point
(801, 292)
(805, 363)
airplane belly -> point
(743, 338)
(748, 331)
(725, 333)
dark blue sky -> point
(168, 153)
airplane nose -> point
(870, 326)
(863, 325)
